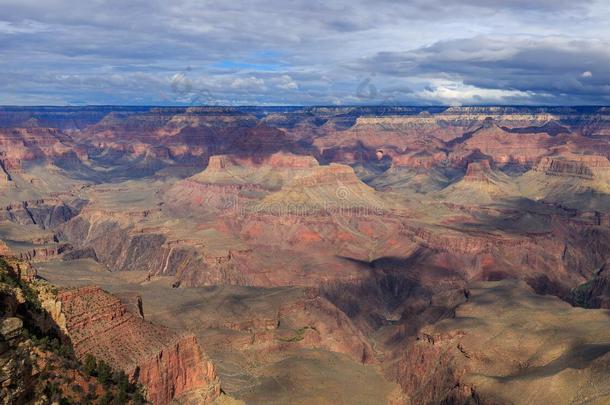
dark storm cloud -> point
(297, 52)
(578, 70)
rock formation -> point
(166, 363)
(35, 366)
(494, 353)
(309, 243)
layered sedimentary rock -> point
(229, 179)
(23, 145)
(166, 363)
(478, 172)
(581, 166)
(46, 213)
(35, 366)
(325, 188)
(480, 184)
(536, 349)
(391, 213)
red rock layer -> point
(277, 160)
(478, 172)
(20, 145)
(167, 364)
(4, 250)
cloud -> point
(286, 82)
(516, 66)
(249, 83)
(303, 51)
(458, 93)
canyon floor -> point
(317, 255)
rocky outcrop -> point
(595, 293)
(36, 360)
(46, 213)
(23, 145)
(114, 242)
(479, 172)
(428, 372)
(4, 249)
(177, 370)
(42, 253)
(276, 160)
(254, 171)
(166, 363)
(16, 370)
(22, 269)
(583, 166)
(86, 253)
(419, 159)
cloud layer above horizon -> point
(251, 52)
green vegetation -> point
(119, 390)
(299, 334)
(580, 294)
(50, 343)
(127, 392)
(8, 276)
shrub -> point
(104, 372)
(90, 365)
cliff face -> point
(22, 145)
(478, 172)
(47, 213)
(582, 166)
(167, 364)
(595, 293)
(179, 369)
(37, 364)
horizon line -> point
(306, 106)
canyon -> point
(262, 255)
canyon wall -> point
(166, 363)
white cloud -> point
(285, 82)
(248, 83)
(458, 93)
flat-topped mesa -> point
(421, 159)
(169, 365)
(197, 118)
(582, 166)
(328, 175)
(264, 171)
(325, 187)
(276, 160)
(459, 118)
(478, 172)
(562, 167)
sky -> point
(305, 52)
